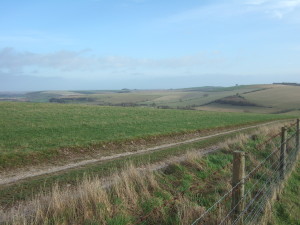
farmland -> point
(281, 97)
(45, 134)
(43, 131)
(171, 98)
(270, 98)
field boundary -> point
(250, 198)
(252, 194)
(30, 174)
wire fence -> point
(259, 186)
(255, 189)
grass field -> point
(39, 131)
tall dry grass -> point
(90, 202)
(238, 142)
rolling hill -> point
(271, 98)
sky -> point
(147, 44)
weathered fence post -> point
(238, 175)
(282, 163)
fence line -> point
(265, 177)
(254, 200)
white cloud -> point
(206, 12)
(35, 37)
(278, 9)
(275, 8)
(256, 2)
(80, 62)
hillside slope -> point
(269, 99)
(275, 98)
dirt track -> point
(4, 180)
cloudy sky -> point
(113, 44)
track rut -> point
(5, 180)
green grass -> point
(26, 189)
(40, 131)
(286, 210)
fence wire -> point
(260, 183)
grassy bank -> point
(34, 132)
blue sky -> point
(102, 44)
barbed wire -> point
(167, 202)
(268, 140)
(263, 194)
(271, 182)
(267, 186)
(260, 193)
(245, 195)
(293, 124)
(254, 213)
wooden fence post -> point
(238, 175)
(282, 162)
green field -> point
(39, 131)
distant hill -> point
(276, 98)
(270, 98)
